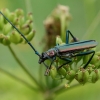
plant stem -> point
(63, 89)
(48, 95)
(40, 75)
(28, 5)
(63, 27)
(93, 26)
(18, 79)
(23, 67)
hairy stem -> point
(23, 67)
(18, 79)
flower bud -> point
(7, 28)
(70, 75)
(16, 21)
(29, 16)
(6, 40)
(1, 21)
(12, 17)
(19, 21)
(67, 67)
(97, 64)
(22, 20)
(6, 12)
(89, 69)
(82, 76)
(86, 59)
(58, 40)
(22, 40)
(95, 75)
(30, 23)
(98, 53)
(19, 12)
(53, 72)
(30, 35)
(91, 66)
(25, 29)
(15, 37)
(67, 85)
(62, 71)
(1, 37)
(94, 59)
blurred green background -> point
(85, 24)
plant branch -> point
(23, 67)
(18, 79)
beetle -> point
(64, 52)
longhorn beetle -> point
(64, 52)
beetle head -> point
(43, 57)
(46, 55)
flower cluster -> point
(8, 34)
(75, 70)
(56, 24)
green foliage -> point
(84, 16)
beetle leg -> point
(86, 53)
(67, 37)
(48, 69)
(65, 59)
(52, 62)
(45, 65)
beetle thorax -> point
(47, 55)
(50, 53)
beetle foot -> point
(47, 72)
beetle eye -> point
(42, 55)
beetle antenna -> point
(36, 52)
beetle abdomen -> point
(75, 46)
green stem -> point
(93, 26)
(28, 5)
(18, 79)
(48, 95)
(63, 89)
(63, 27)
(23, 67)
(40, 75)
